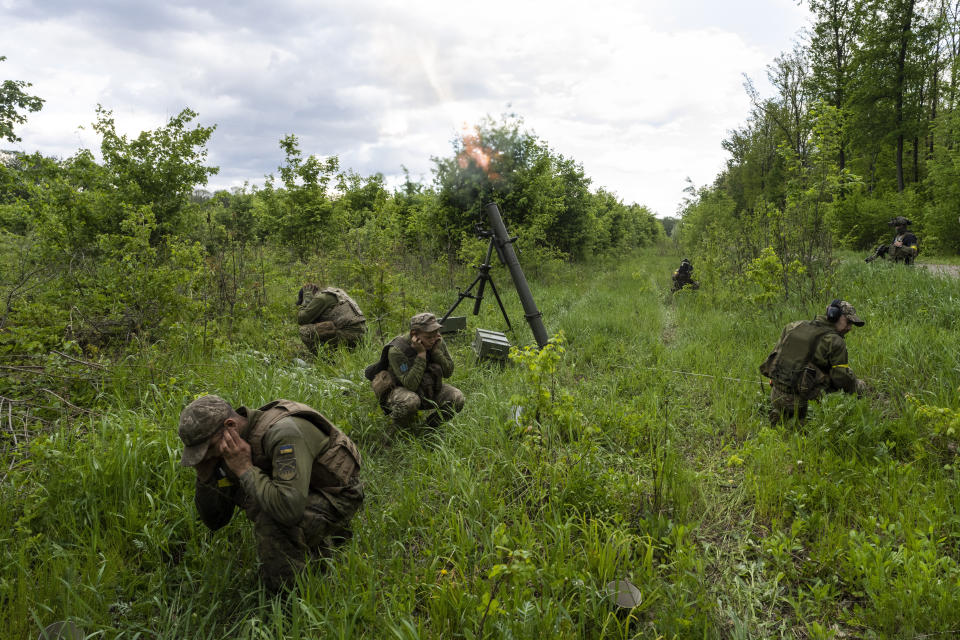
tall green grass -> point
(663, 470)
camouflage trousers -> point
(679, 282)
(326, 332)
(905, 255)
(402, 405)
(902, 254)
(785, 406)
(284, 550)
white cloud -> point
(641, 96)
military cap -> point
(899, 221)
(198, 421)
(847, 310)
(425, 322)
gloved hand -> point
(862, 388)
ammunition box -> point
(453, 324)
(490, 344)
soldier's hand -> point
(862, 388)
(418, 346)
(235, 452)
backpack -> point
(788, 362)
(383, 363)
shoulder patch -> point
(404, 367)
(285, 466)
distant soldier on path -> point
(295, 473)
(328, 316)
(809, 359)
(683, 276)
(904, 247)
(409, 375)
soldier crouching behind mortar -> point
(683, 276)
(409, 375)
(811, 358)
(295, 473)
(328, 316)
(904, 247)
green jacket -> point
(314, 307)
(409, 369)
(829, 356)
(281, 489)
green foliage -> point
(159, 169)
(767, 275)
(13, 100)
(545, 409)
(544, 196)
(298, 213)
(635, 469)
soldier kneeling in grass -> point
(683, 277)
(295, 473)
(904, 247)
(328, 316)
(809, 359)
(409, 375)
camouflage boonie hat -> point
(425, 322)
(899, 221)
(198, 421)
(847, 310)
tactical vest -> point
(383, 364)
(383, 381)
(333, 469)
(792, 357)
(346, 312)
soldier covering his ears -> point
(294, 472)
(328, 316)
(409, 375)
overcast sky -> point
(640, 92)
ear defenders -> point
(834, 311)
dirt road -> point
(942, 269)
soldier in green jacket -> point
(294, 472)
(328, 316)
(809, 359)
(412, 369)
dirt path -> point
(942, 269)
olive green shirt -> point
(292, 444)
(408, 370)
(314, 307)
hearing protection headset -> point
(834, 311)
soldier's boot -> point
(435, 419)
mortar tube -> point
(507, 254)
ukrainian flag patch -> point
(286, 463)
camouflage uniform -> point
(301, 492)
(904, 247)
(410, 383)
(328, 316)
(683, 276)
(826, 370)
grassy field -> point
(652, 460)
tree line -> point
(99, 251)
(863, 126)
